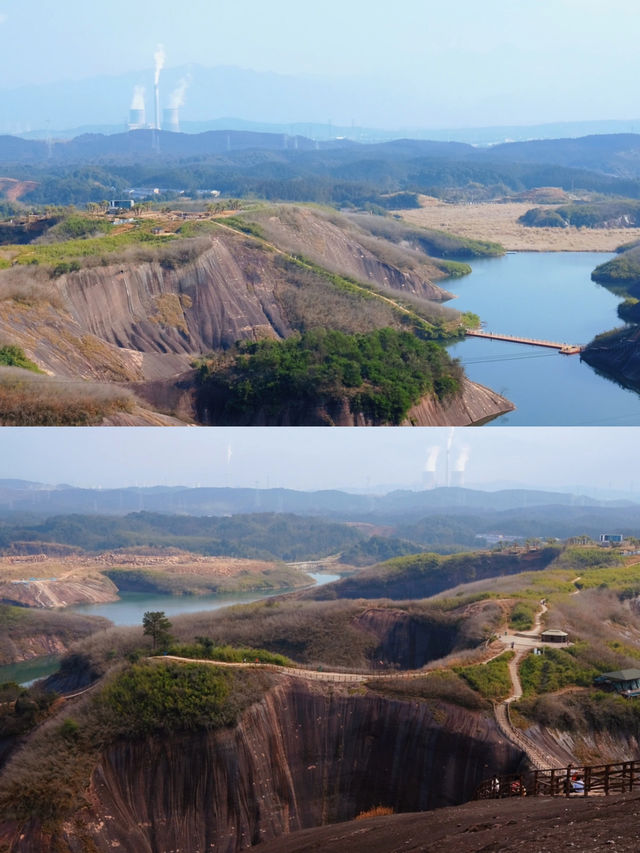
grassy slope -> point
(423, 575)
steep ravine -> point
(304, 756)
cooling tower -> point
(171, 119)
(137, 119)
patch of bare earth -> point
(13, 190)
(499, 223)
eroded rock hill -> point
(302, 757)
(143, 319)
(340, 246)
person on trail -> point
(517, 789)
(577, 783)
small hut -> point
(623, 681)
(554, 635)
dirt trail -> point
(521, 642)
(319, 674)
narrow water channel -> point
(549, 296)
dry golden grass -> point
(30, 400)
(377, 811)
(499, 223)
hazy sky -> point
(462, 63)
(323, 458)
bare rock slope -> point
(302, 757)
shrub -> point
(552, 671)
(13, 356)
(376, 811)
(492, 679)
(522, 615)
(205, 649)
(382, 374)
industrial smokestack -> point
(160, 59)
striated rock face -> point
(139, 320)
(348, 252)
(302, 757)
(59, 593)
(585, 747)
(206, 305)
(476, 405)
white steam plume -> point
(160, 58)
(463, 458)
(176, 99)
(432, 459)
(450, 437)
(137, 102)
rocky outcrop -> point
(583, 747)
(205, 305)
(617, 355)
(348, 251)
(475, 405)
(27, 648)
(55, 592)
(302, 757)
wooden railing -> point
(591, 780)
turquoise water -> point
(29, 670)
(131, 607)
(550, 296)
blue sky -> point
(554, 458)
(464, 63)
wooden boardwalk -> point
(564, 349)
(599, 780)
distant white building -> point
(119, 204)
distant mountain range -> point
(22, 496)
(614, 157)
(260, 101)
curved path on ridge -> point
(300, 672)
(521, 642)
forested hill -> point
(276, 166)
